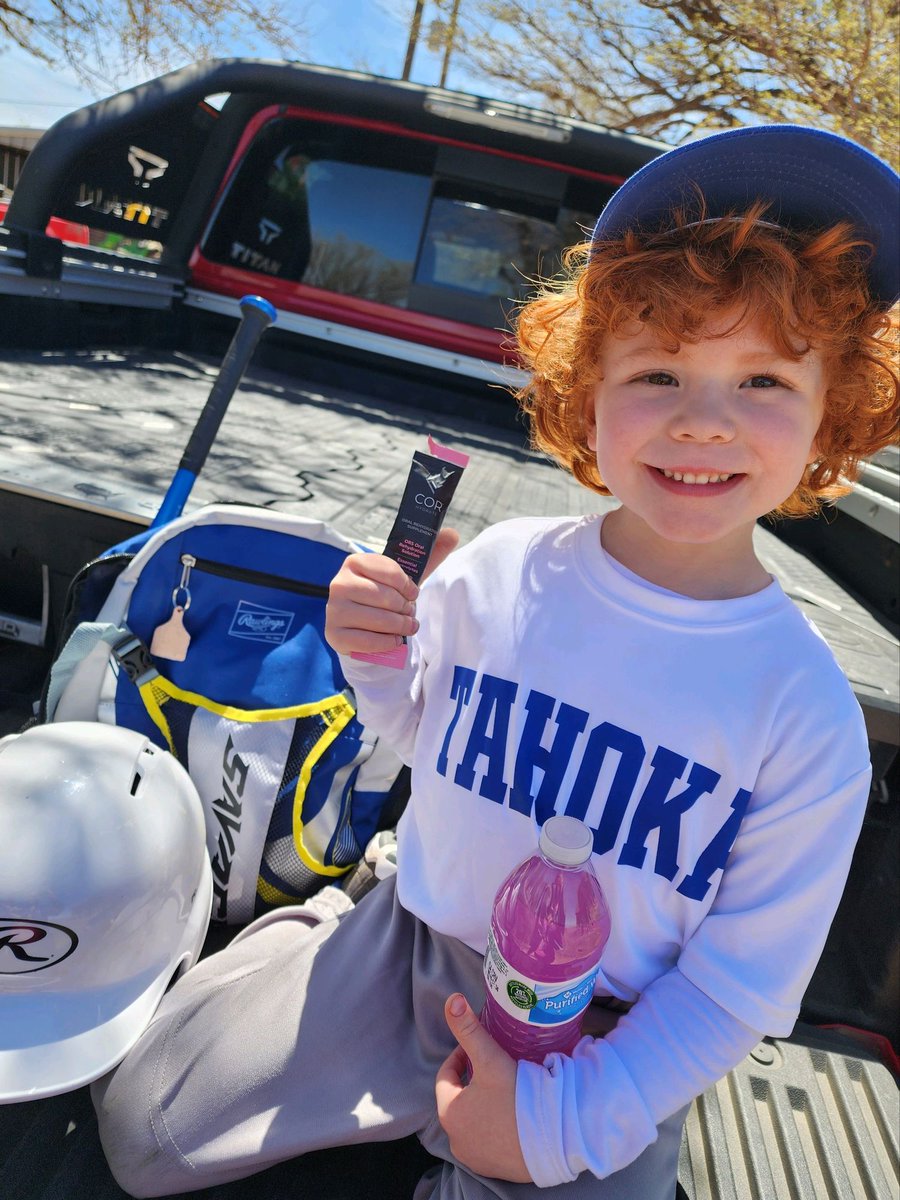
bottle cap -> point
(566, 840)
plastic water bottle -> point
(549, 925)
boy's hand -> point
(479, 1118)
(371, 601)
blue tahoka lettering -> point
(461, 692)
(551, 762)
(488, 737)
(657, 810)
(696, 885)
(630, 748)
(543, 757)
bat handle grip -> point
(257, 314)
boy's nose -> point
(703, 416)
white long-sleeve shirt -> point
(715, 749)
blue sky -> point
(362, 34)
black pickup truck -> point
(392, 226)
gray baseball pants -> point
(322, 1028)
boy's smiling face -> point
(699, 443)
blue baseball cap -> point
(811, 178)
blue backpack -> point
(210, 641)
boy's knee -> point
(132, 1150)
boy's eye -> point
(763, 381)
(659, 378)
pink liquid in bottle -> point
(549, 925)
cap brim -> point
(811, 178)
(55, 1043)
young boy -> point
(722, 351)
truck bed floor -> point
(96, 435)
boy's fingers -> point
(371, 600)
(385, 571)
(449, 1080)
(353, 627)
(474, 1040)
(377, 569)
(362, 641)
(370, 606)
(479, 1117)
(383, 585)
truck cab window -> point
(366, 214)
(480, 251)
(365, 224)
(317, 204)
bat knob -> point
(259, 307)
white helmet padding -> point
(105, 895)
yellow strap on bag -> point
(333, 714)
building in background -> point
(15, 145)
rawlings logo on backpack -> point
(211, 643)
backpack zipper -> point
(249, 575)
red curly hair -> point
(801, 289)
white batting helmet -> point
(105, 895)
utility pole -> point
(413, 38)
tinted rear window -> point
(445, 231)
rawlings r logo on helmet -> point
(33, 945)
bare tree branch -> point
(673, 70)
(104, 41)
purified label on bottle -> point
(533, 1001)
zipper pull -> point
(188, 562)
(171, 640)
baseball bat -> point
(257, 315)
